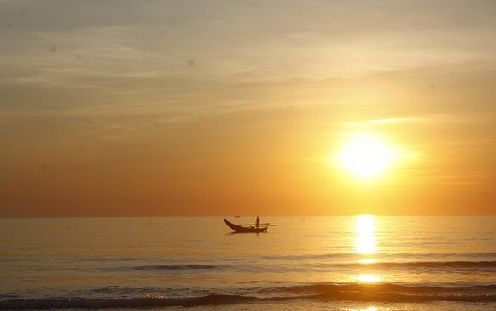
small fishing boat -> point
(244, 229)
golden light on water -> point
(365, 242)
(366, 156)
(369, 278)
(367, 261)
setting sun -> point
(366, 156)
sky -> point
(157, 108)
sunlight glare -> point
(365, 240)
(369, 278)
(367, 261)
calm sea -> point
(301, 263)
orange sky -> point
(224, 108)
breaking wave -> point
(380, 292)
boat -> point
(244, 229)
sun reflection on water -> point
(367, 261)
(365, 242)
(369, 278)
(366, 245)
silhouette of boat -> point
(244, 229)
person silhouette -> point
(257, 222)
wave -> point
(489, 256)
(436, 264)
(441, 265)
(389, 292)
(397, 265)
(460, 265)
(173, 267)
(101, 303)
(416, 290)
(378, 292)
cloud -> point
(317, 40)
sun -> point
(366, 156)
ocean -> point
(361, 262)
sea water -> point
(360, 262)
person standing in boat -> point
(257, 222)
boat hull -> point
(243, 229)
